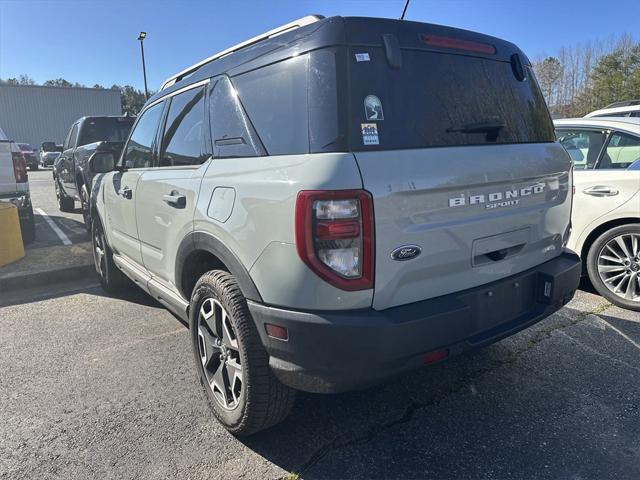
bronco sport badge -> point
(498, 199)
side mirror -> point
(102, 162)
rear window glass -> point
(109, 129)
(275, 98)
(232, 133)
(438, 100)
(182, 141)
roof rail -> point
(626, 103)
(301, 22)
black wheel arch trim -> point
(204, 241)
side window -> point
(622, 151)
(275, 98)
(183, 137)
(583, 146)
(71, 138)
(139, 152)
(231, 131)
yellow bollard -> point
(11, 247)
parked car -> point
(14, 185)
(30, 155)
(88, 136)
(327, 210)
(47, 159)
(50, 147)
(606, 211)
(629, 108)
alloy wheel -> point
(98, 249)
(220, 354)
(619, 266)
(84, 202)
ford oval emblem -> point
(406, 252)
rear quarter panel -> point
(260, 227)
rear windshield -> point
(439, 100)
(108, 129)
(25, 147)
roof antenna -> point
(404, 10)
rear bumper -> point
(334, 351)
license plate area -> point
(505, 301)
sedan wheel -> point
(613, 264)
(619, 266)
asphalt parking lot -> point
(103, 387)
(53, 227)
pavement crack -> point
(348, 440)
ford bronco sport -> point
(336, 202)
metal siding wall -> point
(34, 114)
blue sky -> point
(94, 41)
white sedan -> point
(606, 208)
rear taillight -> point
(19, 167)
(334, 236)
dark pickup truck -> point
(86, 137)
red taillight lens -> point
(458, 44)
(334, 236)
(19, 167)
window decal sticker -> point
(370, 134)
(373, 108)
(362, 57)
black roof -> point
(339, 31)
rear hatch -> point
(454, 141)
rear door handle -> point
(126, 192)
(601, 191)
(175, 199)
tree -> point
(58, 82)
(131, 98)
(26, 80)
(549, 72)
(616, 76)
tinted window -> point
(275, 98)
(583, 146)
(71, 138)
(184, 131)
(437, 100)
(105, 129)
(622, 151)
(25, 147)
(139, 149)
(231, 131)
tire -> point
(84, 204)
(28, 228)
(613, 269)
(231, 344)
(111, 278)
(65, 204)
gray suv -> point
(339, 201)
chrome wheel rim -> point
(98, 250)
(85, 206)
(219, 354)
(619, 266)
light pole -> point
(141, 37)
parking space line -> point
(65, 240)
(622, 334)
